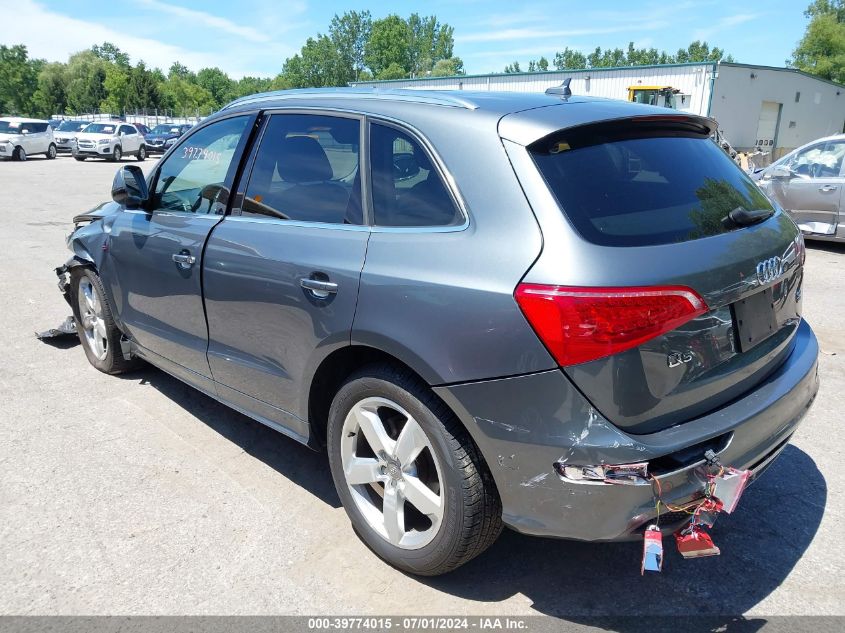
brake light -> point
(583, 324)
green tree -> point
(349, 34)
(570, 59)
(822, 49)
(142, 92)
(86, 76)
(701, 52)
(110, 53)
(218, 85)
(388, 46)
(181, 71)
(116, 85)
(513, 68)
(250, 85)
(51, 98)
(185, 98)
(394, 71)
(317, 65)
(18, 79)
(448, 67)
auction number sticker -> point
(200, 153)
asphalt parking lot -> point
(139, 495)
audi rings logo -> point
(769, 269)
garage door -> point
(767, 126)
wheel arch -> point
(333, 371)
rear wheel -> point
(95, 326)
(410, 477)
(19, 154)
(142, 153)
(117, 154)
(51, 151)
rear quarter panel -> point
(442, 300)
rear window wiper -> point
(743, 217)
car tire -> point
(460, 515)
(19, 154)
(51, 151)
(142, 154)
(80, 158)
(116, 154)
(95, 326)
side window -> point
(307, 169)
(407, 190)
(824, 160)
(39, 127)
(127, 129)
(195, 176)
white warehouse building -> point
(773, 109)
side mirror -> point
(24, 132)
(129, 187)
(780, 171)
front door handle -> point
(184, 259)
(828, 188)
(318, 287)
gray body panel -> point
(265, 329)
(525, 424)
(441, 300)
(159, 302)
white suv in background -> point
(20, 138)
(109, 139)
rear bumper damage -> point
(527, 424)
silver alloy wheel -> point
(21, 154)
(93, 325)
(392, 468)
(51, 151)
(117, 154)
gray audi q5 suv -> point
(480, 304)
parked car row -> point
(112, 140)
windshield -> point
(71, 126)
(166, 129)
(101, 128)
(9, 127)
(636, 190)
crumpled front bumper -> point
(523, 425)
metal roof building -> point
(773, 109)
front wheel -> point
(95, 326)
(19, 154)
(117, 154)
(411, 479)
(142, 153)
(51, 151)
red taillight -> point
(582, 324)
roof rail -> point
(410, 95)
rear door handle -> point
(318, 287)
(827, 188)
(186, 260)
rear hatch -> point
(668, 284)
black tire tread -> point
(116, 364)
(482, 510)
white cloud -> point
(726, 22)
(527, 33)
(54, 36)
(207, 19)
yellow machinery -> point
(654, 95)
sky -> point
(254, 37)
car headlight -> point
(170, 141)
(104, 141)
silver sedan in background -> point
(809, 183)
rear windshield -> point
(630, 190)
